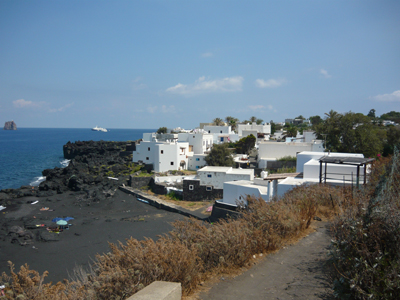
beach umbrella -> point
(68, 218)
(63, 224)
(56, 219)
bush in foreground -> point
(190, 253)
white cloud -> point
(228, 84)
(270, 83)
(169, 109)
(325, 73)
(137, 85)
(393, 97)
(270, 107)
(207, 54)
(21, 103)
(256, 107)
(61, 108)
(151, 109)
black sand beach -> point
(94, 225)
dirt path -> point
(295, 272)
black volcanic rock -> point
(91, 165)
(10, 125)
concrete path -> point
(295, 272)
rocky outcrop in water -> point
(10, 125)
(93, 172)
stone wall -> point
(138, 182)
(199, 192)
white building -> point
(164, 156)
(221, 134)
(253, 128)
(197, 161)
(199, 143)
(309, 164)
(217, 129)
(216, 176)
(271, 151)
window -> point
(209, 175)
(191, 187)
(222, 139)
(197, 167)
(162, 151)
(221, 131)
(147, 158)
(209, 188)
(172, 163)
(197, 159)
(148, 149)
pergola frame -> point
(345, 160)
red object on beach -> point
(209, 208)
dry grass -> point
(193, 252)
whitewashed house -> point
(209, 182)
(271, 151)
(221, 134)
(163, 155)
(247, 129)
(199, 144)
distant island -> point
(10, 125)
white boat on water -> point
(99, 129)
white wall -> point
(334, 171)
(217, 129)
(196, 162)
(305, 156)
(216, 176)
(235, 191)
(266, 128)
(164, 156)
(275, 150)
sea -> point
(26, 152)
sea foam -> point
(37, 181)
(65, 162)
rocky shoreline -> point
(91, 165)
(86, 191)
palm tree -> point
(232, 122)
(218, 121)
(253, 119)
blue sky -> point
(147, 64)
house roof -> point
(346, 160)
(227, 170)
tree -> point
(259, 121)
(315, 120)
(371, 114)
(291, 131)
(253, 119)
(162, 130)
(351, 133)
(392, 116)
(218, 122)
(220, 155)
(273, 128)
(329, 130)
(392, 140)
(300, 117)
(246, 144)
(232, 122)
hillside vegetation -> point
(364, 260)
